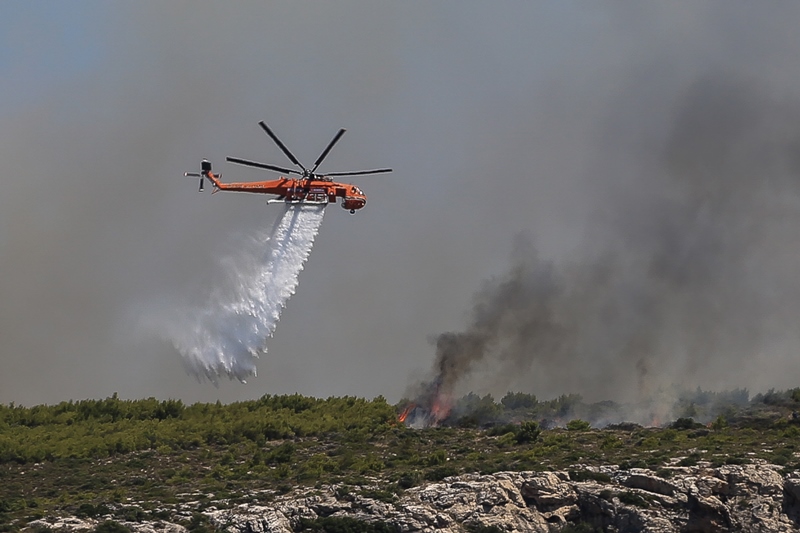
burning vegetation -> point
(687, 280)
(571, 411)
(430, 408)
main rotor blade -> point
(286, 151)
(360, 172)
(327, 149)
(247, 163)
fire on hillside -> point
(429, 408)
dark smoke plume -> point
(513, 314)
(690, 276)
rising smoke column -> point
(512, 314)
(688, 277)
(226, 335)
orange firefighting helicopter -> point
(309, 188)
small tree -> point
(720, 423)
(528, 432)
(578, 425)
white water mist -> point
(225, 336)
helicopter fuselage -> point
(291, 190)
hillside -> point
(118, 461)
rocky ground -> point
(747, 498)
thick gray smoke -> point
(542, 118)
(513, 315)
(687, 278)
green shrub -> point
(281, 454)
(131, 514)
(588, 475)
(690, 460)
(333, 524)
(685, 423)
(88, 510)
(578, 425)
(438, 457)
(606, 494)
(109, 526)
(719, 423)
(665, 473)
(502, 429)
(507, 440)
(528, 432)
(441, 472)
(633, 463)
(408, 480)
(518, 400)
(633, 498)
(200, 523)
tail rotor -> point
(205, 168)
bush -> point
(131, 514)
(527, 432)
(200, 524)
(438, 457)
(633, 463)
(607, 494)
(633, 498)
(665, 473)
(344, 524)
(588, 475)
(720, 423)
(578, 425)
(281, 454)
(502, 429)
(87, 510)
(408, 480)
(685, 423)
(518, 400)
(109, 526)
(439, 473)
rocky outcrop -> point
(746, 498)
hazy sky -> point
(499, 119)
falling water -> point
(225, 336)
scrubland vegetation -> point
(138, 459)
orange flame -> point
(410, 407)
(439, 410)
(432, 406)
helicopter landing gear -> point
(352, 211)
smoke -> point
(688, 277)
(512, 314)
(225, 336)
(533, 118)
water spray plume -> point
(226, 336)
